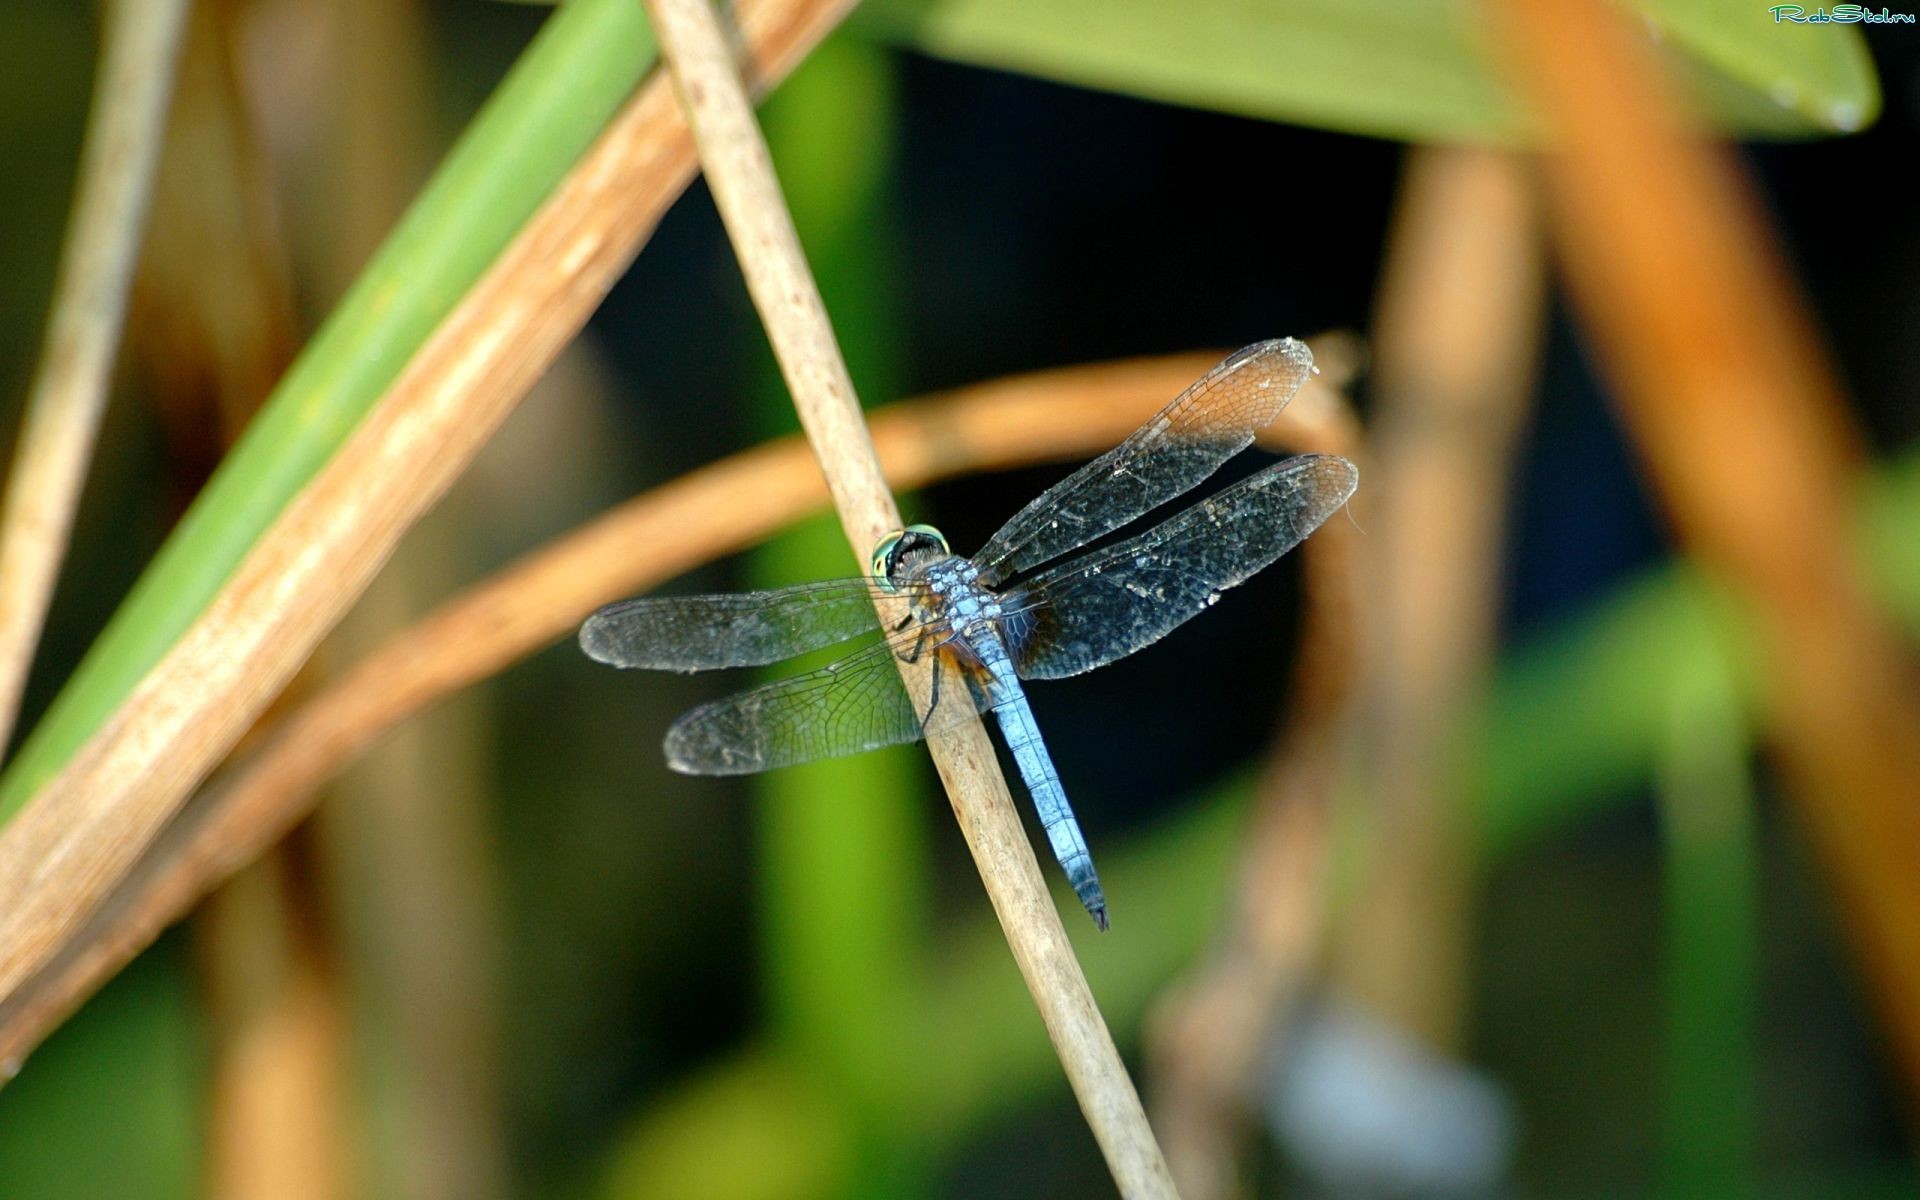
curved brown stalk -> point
(1045, 417)
(1723, 385)
(66, 852)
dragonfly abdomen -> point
(1029, 751)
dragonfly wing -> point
(858, 703)
(1210, 422)
(1106, 605)
(739, 629)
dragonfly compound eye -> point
(925, 537)
(893, 550)
(881, 566)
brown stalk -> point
(275, 1089)
(1455, 342)
(214, 326)
(214, 321)
(1052, 415)
(69, 391)
(1456, 348)
(1724, 387)
(402, 845)
(404, 851)
(61, 857)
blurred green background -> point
(791, 985)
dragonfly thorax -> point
(951, 590)
(967, 605)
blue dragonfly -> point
(997, 618)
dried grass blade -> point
(1053, 415)
(62, 856)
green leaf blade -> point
(581, 66)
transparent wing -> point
(1104, 606)
(1206, 425)
(858, 703)
(739, 629)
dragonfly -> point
(1006, 615)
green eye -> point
(883, 558)
(931, 534)
(886, 555)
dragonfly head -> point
(900, 549)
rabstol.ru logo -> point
(1842, 14)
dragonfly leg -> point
(934, 702)
(919, 646)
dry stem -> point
(1052, 415)
(1456, 339)
(89, 303)
(740, 172)
(213, 326)
(63, 855)
(407, 835)
(1456, 343)
(276, 1096)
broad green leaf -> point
(1419, 70)
(1766, 76)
